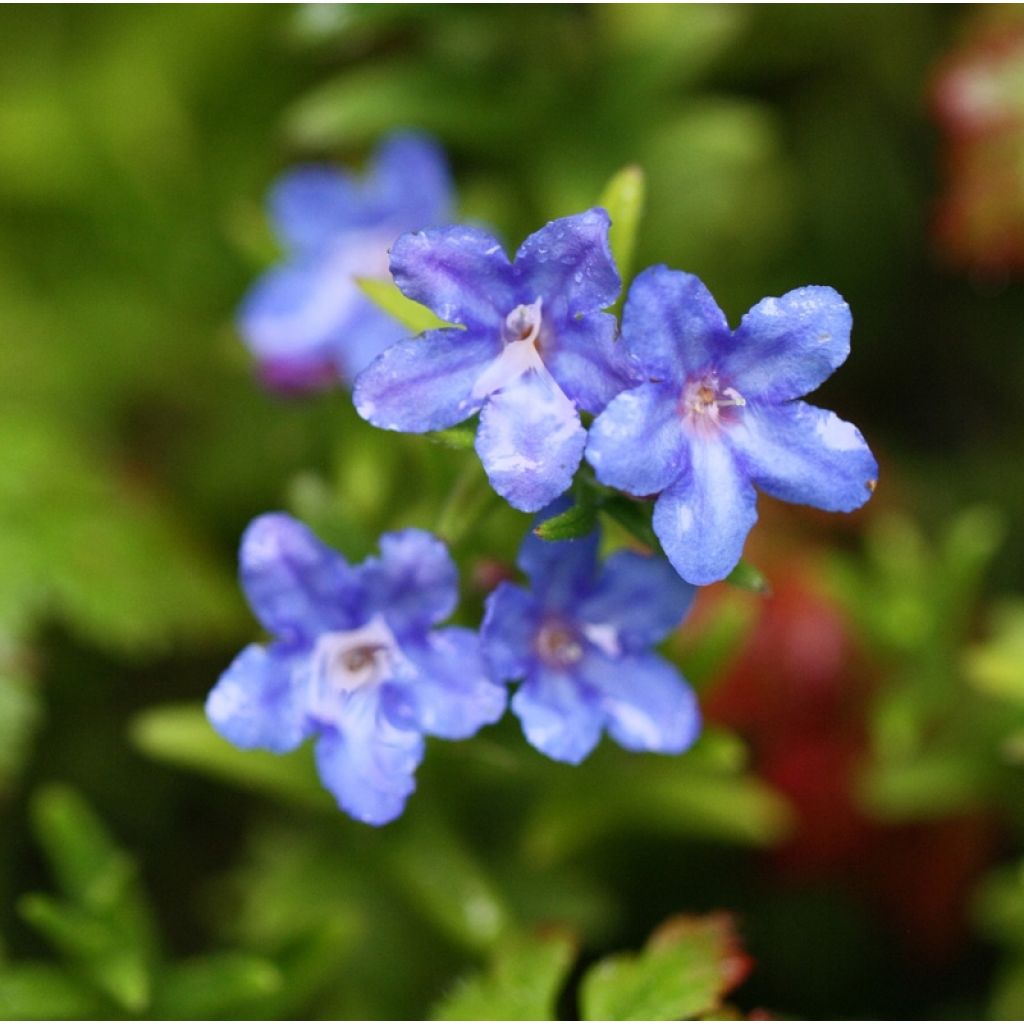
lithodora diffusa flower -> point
(718, 414)
(532, 346)
(307, 322)
(354, 660)
(580, 640)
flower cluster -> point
(356, 658)
(687, 409)
(684, 411)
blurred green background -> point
(858, 801)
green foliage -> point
(939, 744)
(623, 198)
(182, 736)
(386, 296)
(575, 522)
(523, 982)
(687, 967)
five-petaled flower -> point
(718, 414)
(532, 346)
(580, 639)
(355, 660)
(308, 322)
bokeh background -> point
(858, 801)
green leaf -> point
(575, 522)
(386, 296)
(181, 735)
(460, 438)
(105, 926)
(688, 965)
(703, 793)
(930, 785)
(446, 881)
(19, 716)
(634, 516)
(212, 986)
(40, 991)
(749, 577)
(996, 666)
(89, 866)
(106, 948)
(522, 982)
(623, 198)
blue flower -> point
(354, 660)
(718, 415)
(533, 346)
(580, 640)
(307, 322)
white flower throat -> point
(355, 659)
(520, 334)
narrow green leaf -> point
(575, 522)
(447, 882)
(686, 968)
(930, 785)
(181, 735)
(623, 198)
(996, 666)
(109, 950)
(215, 986)
(522, 982)
(386, 296)
(634, 516)
(40, 991)
(704, 793)
(89, 866)
(749, 577)
(19, 715)
(460, 438)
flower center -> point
(523, 323)
(704, 399)
(559, 645)
(520, 352)
(354, 659)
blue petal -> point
(425, 383)
(640, 596)
(297, 586)
(703, 519)
(797, 452)
(260, 701)
(303, 317)
(289, 317)
(558, 716)
(647, 703)
(414, 583)
(410, 182)
(568, 263)
(452, 694)
(589, 363)
(369, 331)
(368, 764)
(786, 347)
(311, 205)
(461, 273)
(671, 325)
(530, 441)
(637, 443)
(512, 617)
